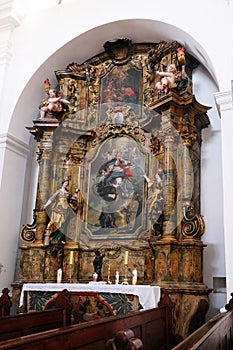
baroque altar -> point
(119, 153)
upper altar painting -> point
(119, 85)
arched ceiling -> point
(89, 44)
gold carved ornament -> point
(192, 225)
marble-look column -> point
(169, 183)
(46, 130)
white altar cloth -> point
(149, 296)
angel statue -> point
(54, 105)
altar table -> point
(113, 297)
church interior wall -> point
(90, 32)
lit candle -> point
(126, 257)
(71, 257)
(59, 275)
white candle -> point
(126, 257)
(95, 277)
(117, 277)
(59, 275)
(135, 275)
(71, 257)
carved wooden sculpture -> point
(5, 302)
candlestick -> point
(59, 275)
(71, 257)
(126, 257)
(125, 280)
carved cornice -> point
(40, 126)
(224, 100)
(13, 144)
(9, 19)
(110, 130)
(9, 15)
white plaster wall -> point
(50, 36)
(211, 190)
(58, 24)
(225, 101)
(11, 195)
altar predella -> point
(119, 152)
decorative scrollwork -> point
(192, 225)
(118, 49)
(28, 231)
(110, 130)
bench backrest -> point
(150, 326)
(32, 322)
(217, 333)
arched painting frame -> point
(116, 190)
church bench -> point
(14, 326)
(124, 339)
(217, 333)
(152, 328)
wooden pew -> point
(33, 322)
(152, 328)
(38, 321)
(217, 333)
(124, 339)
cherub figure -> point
(53, 104)
(168, 79)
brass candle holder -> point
(108, 280)
(125, 280)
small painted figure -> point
(97, 264)
(107, 219)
